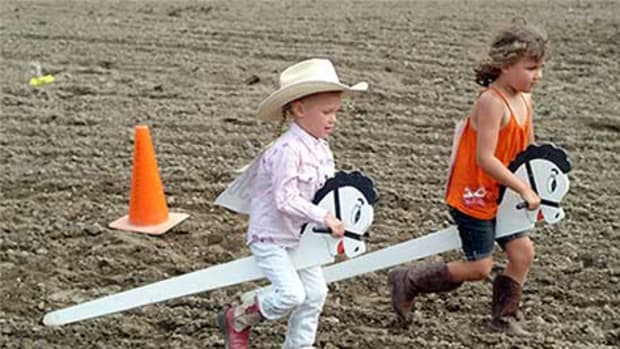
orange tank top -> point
(470, 190)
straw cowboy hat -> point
(302, 79)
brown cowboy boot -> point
(505, 306)
(407, 283)
(236, 324)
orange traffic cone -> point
(148, 211)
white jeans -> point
(301, 292)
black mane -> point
(355, 179)
(547, 151)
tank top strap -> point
(503, 97)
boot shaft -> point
(431, 279)
(246, 315)
(236, 324)
(507, 295)
(406, 283)
(505, 313)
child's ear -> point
(505, 67)
(297, 108)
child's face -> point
(317, 113)
(523, 75)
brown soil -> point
(195, 73)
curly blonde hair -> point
(508, 47)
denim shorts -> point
(478, 235)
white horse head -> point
(545, 167)
(349, 196)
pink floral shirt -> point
(288, 176)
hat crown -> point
(315, 69)
(305, 78)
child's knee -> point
(524, 258)
(293, 297)
(480, 269)
(317, 294)
(529, 253)
(521, 253)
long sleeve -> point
(291, 196)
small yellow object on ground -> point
(42, 80)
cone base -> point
(173, 219)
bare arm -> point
(488, 117)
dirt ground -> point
(195, 73)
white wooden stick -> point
(439, 242)
(313, 250)
(435, 243)
(222, 275)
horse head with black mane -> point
(545, 167)
(350, 197)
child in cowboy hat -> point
(289, 173)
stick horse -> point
(349, 196)
(545, 167)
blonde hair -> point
(287, 112)
(509, 45)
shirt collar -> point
(309, 140)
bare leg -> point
(470, 270)
(520, 254)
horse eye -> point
(358, 215)
(553, 183)
(357, 211)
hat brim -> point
(271, 108)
